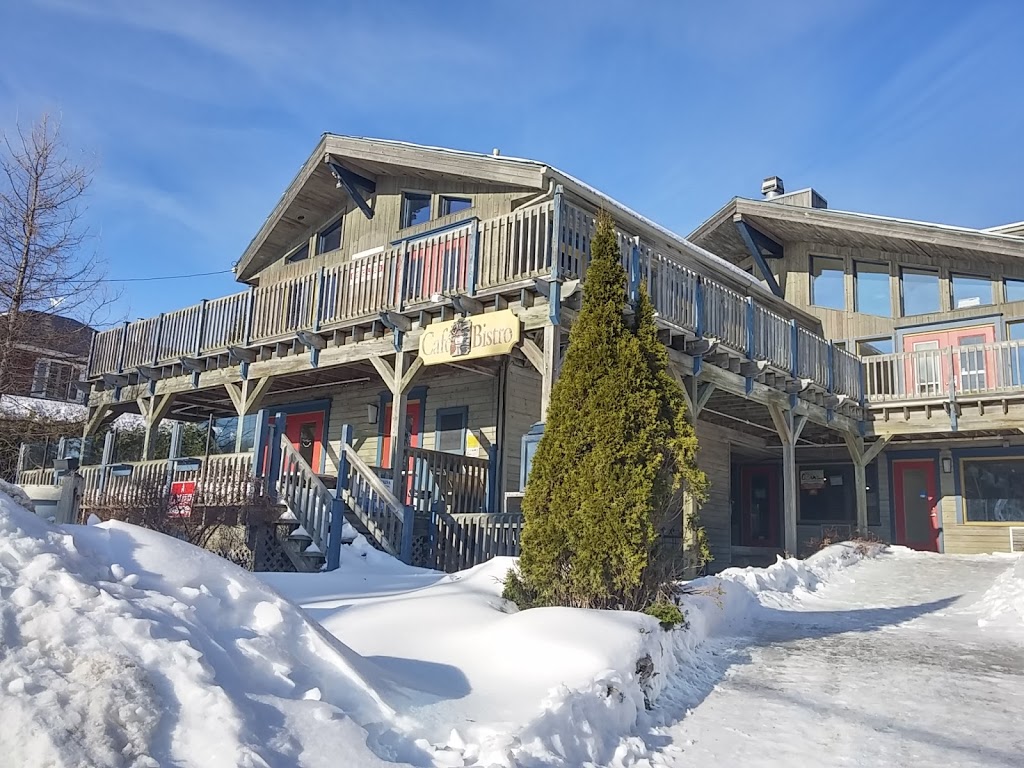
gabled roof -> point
(315, 187)
(847, 228)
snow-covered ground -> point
(119, 646)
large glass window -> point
(455, 204)
(971, 291)
(451, 430)
(828, 493)
(881, 346)
(415, 208)
(871, 288)
(920, 291)
(827, 286)
(993, 490)
(1014, 289)
(330, 238)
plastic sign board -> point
(183, 492)
(468, 338)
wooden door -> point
(917, 510)
(759, 505)
(305, 431)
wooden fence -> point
(462, 541)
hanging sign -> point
(180, 502)
(812, 479)
(467, 338)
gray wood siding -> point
(522, 411)
(361, 234)
(794, 276)
(714, 458)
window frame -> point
(962, 495)
(952, 290)
(813, 278)
(47, 370)
(903, 294)
(290, 256)
(463, 412)
(1006, 287)
(443, 202)
(887, 271)
(402, 213)
(337, 222)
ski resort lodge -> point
(844, 371)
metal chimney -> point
(772, 187)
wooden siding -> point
(848, 324)
(360, 234)
(714, 457)
(522, 411)
(446, 388)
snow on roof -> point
(19, 407)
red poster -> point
(180, 502)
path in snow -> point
(884, 666)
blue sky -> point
(197, 113)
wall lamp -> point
(947, 464)
(371, 413)
(187, 465)
(121, 470)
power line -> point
(162, 277)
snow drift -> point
(121, 646)
(1003, 604)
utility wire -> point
(161, 277)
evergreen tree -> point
(615, 451)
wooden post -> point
(552, 342)
(70, 501)
(338, 503)
(861, 458)
(789, 428)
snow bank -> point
(124, 647)
(1003, 604)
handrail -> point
(510, 249)
(370, 500)
(464, 540)
(306, 496)
(941, 374)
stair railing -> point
(306, 496)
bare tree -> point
(46, 267)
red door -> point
(305, 431)
(759, 505)
(934, 367)
(413, 414)
(917, 511)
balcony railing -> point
(464, 258)
(942, 374)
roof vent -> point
(772, 187)
(496, 152)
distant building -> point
(48, 365)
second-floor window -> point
(415, 208)
(330, 238)
(971, 291)
(1014, 289)
(871, 288)
(827, 286)
(52, 380)
(300, 253)
(451, 205)
(920, 289)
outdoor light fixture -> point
(63, 466)
(121, 470)
(371, 413)
(947, 464)
(187, 464)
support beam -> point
(861, 458)
(789, 426)
(153, 410)
(385, 370)
(411, 373)
(247, 394)
(349, 181)
(754, 240)
(550, 368)
(534, 354)
(96, 416)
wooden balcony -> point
(524, 252)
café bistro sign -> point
(467, 338)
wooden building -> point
(936, 313)
(407, 290)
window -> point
(300, 253)
(455, 204)
(828, 493)
(1014, 289)
(970, 291)
(415, 208)
(1015, 330)
(993, 490)
(827, 282)
(920, 288)
(451, 430)
(247, 434)
(881, 346)
(52, 380)
(871, 288)
(330, 238)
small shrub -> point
(516, 591)
(667, 613)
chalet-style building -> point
(936, 313)
(50, 366)
(399, 289)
